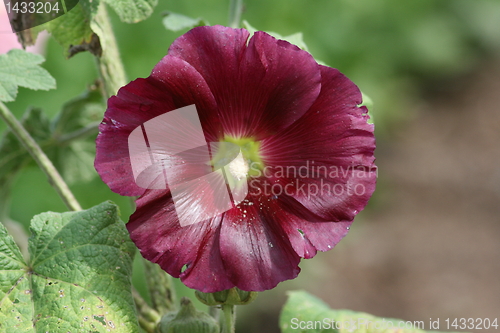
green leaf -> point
(69, 140)
(79, 30)
(74, 156)
(76, 162)
(79, 112)
(78, 277)
(13, 287)
(72, 30)
(13, 156)
(368, 102)
(21, 68)
(306, 313)
(11, 260)
(176, 22)
(132, 11)
(295, 39)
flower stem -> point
(160, 287)
(148, 317)
(109, 63)
(41, 159)
(235, 10)
(229, 318)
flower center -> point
(238, 167)
(250, 151)
(241, 155)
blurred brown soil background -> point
(428, 245)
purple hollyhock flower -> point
(307, 162)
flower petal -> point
(306, 231)
(261, 88)
(217, 254)
(309, 237)
(155, 229)
(187, 86)
(255, 251)
(331, 170)
(134, 104)
(140, 101)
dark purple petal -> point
(135, 103)
(156, 231)
(332, 144)
(253, 244)
(187, 86)
(230, 250)
(261, 88)
(309, 237)
(140, 101)
(306, 231)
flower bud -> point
(233, 296)
(187, 320)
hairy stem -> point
(229, 312)
(41, 159)
(235, 10)
(109, 63)
(148, 317)
(160, 286)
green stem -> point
(146, 325)
(160, 287)
(235, 10)
(229, 318)
(109, 63)
(41, 159)
(148, 317)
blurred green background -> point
(411, 57)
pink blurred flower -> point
(8, 39)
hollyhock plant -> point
(307, 158)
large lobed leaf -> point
(306, 313)
(21, 68)
(77, 280)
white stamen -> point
(239, 167)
